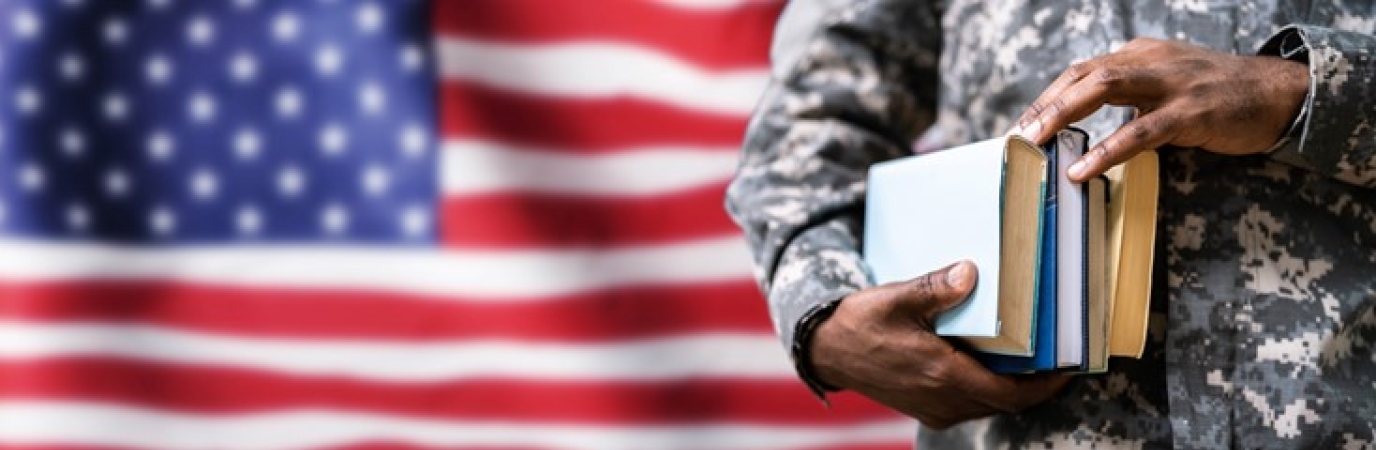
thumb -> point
(938, 291)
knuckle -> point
(925, 382)
(1168, 123)
(1199, 92)
(1140, 130)
(1108, 77)
(1078, 70)
(924, 286)
(941, 372)
(1100, 153)
(914, 295)
(928, 285)
(1057, 106)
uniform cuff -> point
(1288, 44)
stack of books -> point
(1064, 268)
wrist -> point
(1295, 80)
(1294, 76)
(825, 353)
(1283, 90)
(804, 352)
(1294, 91)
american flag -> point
(388, 223)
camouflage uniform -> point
(1265, 280)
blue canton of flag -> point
(166, 121)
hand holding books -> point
(880, 342)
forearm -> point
(860, 92)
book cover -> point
(1071, 294)
(983, 202)
(1098, 308)
(1044, 352)
(1133, 192)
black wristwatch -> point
(802, 343)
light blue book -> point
(982, 202)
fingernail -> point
(1077, 170)
(1017, 130)
(957, 276)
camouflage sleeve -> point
(860, 91)
(1336, 134)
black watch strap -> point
(802, 343)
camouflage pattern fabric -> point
(1264, 302)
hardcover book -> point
(1134, 187)
(982, 202)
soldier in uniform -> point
(1264, 299)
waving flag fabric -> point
(388, 223)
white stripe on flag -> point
(475, 166)
(600, 69)
(54, 423)
(751, 356)
(507, 275)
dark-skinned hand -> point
(1185, 95)
(880, 343)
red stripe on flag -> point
(584, 125)
(523, 220)
(608, 315)
(713, 38)
(201, 389)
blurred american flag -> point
(449, 224)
